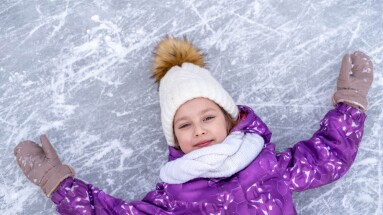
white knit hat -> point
(181, 84)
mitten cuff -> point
(350, 97)
(52, 180)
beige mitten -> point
(41, 164)
(354, 81)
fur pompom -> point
(173, 52)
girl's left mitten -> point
(354, 80)
(41, 165)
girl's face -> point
(198, 123)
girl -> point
(221, 160)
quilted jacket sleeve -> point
(76, 197)
(329, 153)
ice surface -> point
(79, 72)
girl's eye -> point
(183, 126)
(209, 118)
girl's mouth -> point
(203, 143)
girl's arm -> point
(329, 153)
(76, 197)
(42, 166)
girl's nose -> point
(199, 130)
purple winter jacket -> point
(265, 186)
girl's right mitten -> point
(41, 165)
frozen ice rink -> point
(79, 71)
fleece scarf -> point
(225, 159)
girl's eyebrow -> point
(202, 112)
(207, 110)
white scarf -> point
(220, 160)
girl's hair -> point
(230, 123)
(229, 120)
